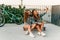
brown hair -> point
(26, 15)
(35, 16)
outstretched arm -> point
(42, 14)
(46, 10)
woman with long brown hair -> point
(39, 24)
(27, 22)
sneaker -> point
(39, 33)
(31, 35)
(26, 32)
(43, 34)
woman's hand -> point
(46, 10)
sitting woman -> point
(27, 23)
(38, 22)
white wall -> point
(42, 2)
(31, 2)
(10, 2)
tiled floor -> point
(15, 32)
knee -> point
(28, 27)
(37, 26)
(24, 28)
(42, 23)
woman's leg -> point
(38, 28)
(27, 27)
(29, 30)
(33, 26)
(42, 25)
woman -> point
(27, 23)
(38, 22)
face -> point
(35, 12)
(29, 12)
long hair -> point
(35, 16)
(26, 15)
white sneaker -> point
(39, 33)
(31, 35)
(43, 34)
(26, 32)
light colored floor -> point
(15, 32)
